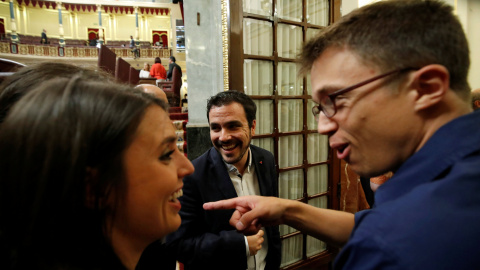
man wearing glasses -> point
(390, 81)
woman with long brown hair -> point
(89, 177)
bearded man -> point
(232, 167)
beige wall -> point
(5, 15)
(473, 24)
(468, 12)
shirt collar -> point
(231, 168)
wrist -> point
(291, 208)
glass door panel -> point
(257, 77)
(290, 10)
(284, 230)
(288, 81)
(317, 146)
(290, 115)
(319, 202)
(264, 117)
(265, 143)
(290, 184)
(289, 40)
(259, 7)
(292, 250)
(317, 12)
(257, 37)
(315, 246)
(318, 179)
(290, 151)
(311, 32)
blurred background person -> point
(158, 70)
(171, 66)
(135, 50)
(153, 90)
(145, 72)
(44, 39)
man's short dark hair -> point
(158, 60)
(399, 34)
(173, 59)
(227, 98)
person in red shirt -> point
(158, 70)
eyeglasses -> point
(327, 103)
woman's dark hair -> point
(27, 78)
(62, 149)
(158, 60)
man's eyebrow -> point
(330, 89)
(229, 123)
(325, 90)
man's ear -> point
(91, 182)
(431, 84)
(477, 104)
(254, 124)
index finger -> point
(223, 204)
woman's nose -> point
(185, 167)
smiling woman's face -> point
(154, 169)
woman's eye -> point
(167, 156)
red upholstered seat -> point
(172, 88)
(175, 109)
(106, 59)
(179, 116)
(122, 71)
(134, 76)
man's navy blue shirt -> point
(428, 215)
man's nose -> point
(325, 125)
(224, 135)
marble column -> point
(136, 27)
(100, 29)
(204, 66)
(61, 41)
(13, 36)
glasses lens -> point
(328, 107)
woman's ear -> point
(91, 182)
(431, 84)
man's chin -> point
(230, 160)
